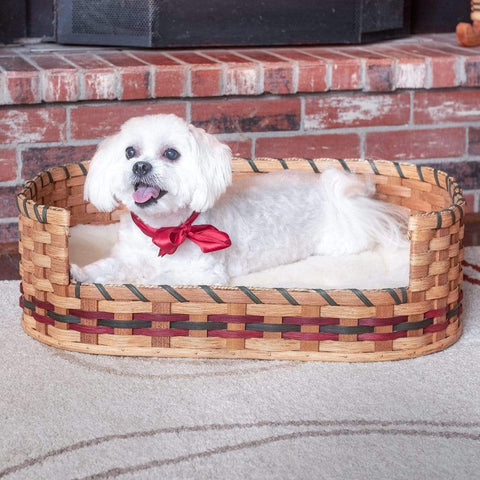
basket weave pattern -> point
(243, 322)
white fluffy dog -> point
(163, 170)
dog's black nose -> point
(141, 168)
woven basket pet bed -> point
(243, 321)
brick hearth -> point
(415, 99)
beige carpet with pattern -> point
(65, 415)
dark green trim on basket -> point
(287, 296)
(103, 291)
(67, 172)
(82, 168)
(326, 297)
(77, 289)
(435, 176)
(313, 165)
(135, 291)
(362, 297)
(253, 165)
(420, 173)
(399, 170)
(394, 295)
(439, 219)
(44, 213)
(25, 211)
(283, 163)
(250, 295)
(212, 294)
(344, 165)
(174, 293)
(49, 175)
(373, 167)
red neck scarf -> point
(168, 239)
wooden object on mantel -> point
(468, 35)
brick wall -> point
(410, 100)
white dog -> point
(164, 170)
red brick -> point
(8, 164)
(8, 206)
(240, 148)
(446, 106)
(470, 202)
(380, 75)
(472, 73)
(98, 121)
(309, 146)
(134, 75)
(60, 79)
(22, 80)
(232, 116)
(357, 110)
(37, 159)
(9, 232)
(411, 144)
(242, 76)
(442, 65)
(345, 71)
(410, 69)
(170, 75)
(311, 71)
(474, 141)
(277, 73)
(31, 125)
(205, 74)
(98, 76)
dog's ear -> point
(214, 159)
(99, 185)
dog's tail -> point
(357, 220)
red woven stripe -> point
(43, 319)
(235, 318)
(235, 334)
(20, 302)
(310, 336)
(436, 328)
(21, 288)
(436, 313)
(380, 337)
(90, 329)
(92, 315)
(161, 317)
(311, 320)
(160, 332)
(382, 322)
(44, 305)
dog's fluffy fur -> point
(272, 219)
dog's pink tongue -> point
(145, 192)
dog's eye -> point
(130, 152)
(171, 154)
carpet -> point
(65, 415)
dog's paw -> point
(77, 273)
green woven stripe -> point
(186, 325)
(25, 211)
(283, 163)
(345, 330)
(406, 326)
(27, 304)
(373, 167)
(272, 327)
(343, 163)
(253, 165)
(102, 290)
(404, 294)
(362, 297)
(124, 323)
(420, 173)
(250, 295)
(77, 290)
(63, 318)
(394, 295)
(212, 294)
(399, 170)
(67, 172)
(287, 296)
(326, 297)
(451, 313)
(435, 176)
(313, 165)
(82, 168)
(135, 291)
(174, 293)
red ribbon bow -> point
(168, 239)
